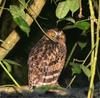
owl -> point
(46, 59)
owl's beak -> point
(58, 37)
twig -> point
(9, 75)
(69, 57)
(80, 15)
(31, 11)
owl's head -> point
(56, 35)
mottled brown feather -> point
(46, 61)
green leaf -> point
(70, 19)
(83, 25)
(14, 11)
(19, 16)
(12, 62)
(82, 44)
(23, 3)
(45, 88)
(7, 65)
(17, 11)
(22, 24)
(75, 68)
(73, 5)
(62, 9)
(86, 71)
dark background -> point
(20, 52)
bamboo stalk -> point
(14, 37)
(91, 87)
(94, 62)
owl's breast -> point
(46, 61)
(46, 53)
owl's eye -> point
(53, 34)
(62, 37)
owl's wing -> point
(35, 63)
(35, 54)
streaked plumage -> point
(47, 59)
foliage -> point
(65, 6)
(69, 14)
(19, 16)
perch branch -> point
(14, 37)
